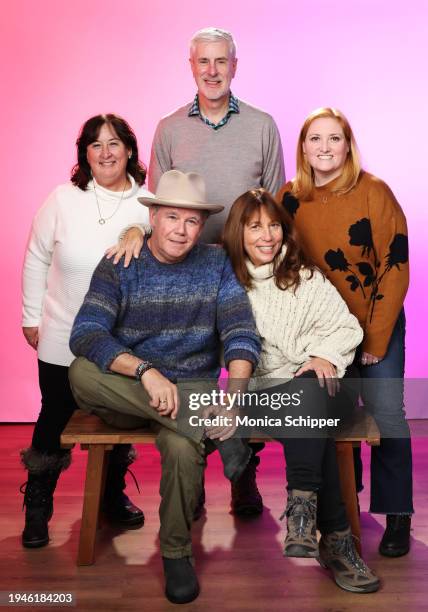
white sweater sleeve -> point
(336, 332)
(37, 261)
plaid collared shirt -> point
(233, 108)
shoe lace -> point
(35, 491)
(345, 546)
(116, 477)
(302, 511)
(23, 489)
(135, 479)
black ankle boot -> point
(246, 499)
(181, 582)
(44, 471)
(116, 505)
(235, 455)
(396, 539)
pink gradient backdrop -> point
(64, 61)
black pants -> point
(58, 405)
(311, 463)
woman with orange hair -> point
(353, 228)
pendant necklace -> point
(101, 219)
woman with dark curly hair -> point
(308, 340)
(355, 231)
(69, 235)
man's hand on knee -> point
(162, 392)
(227, 426)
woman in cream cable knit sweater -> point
(307, 333)
(70, 233)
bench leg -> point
(91, 504)
(345, 460)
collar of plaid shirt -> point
(233, 108)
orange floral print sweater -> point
(359, 240)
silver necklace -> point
(101, 219)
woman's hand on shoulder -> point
(31, 335)
(129, 245)
(325, 371)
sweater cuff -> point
(144, 228)
(242, 354)
(101, 351)
(337, 360)
(376, 347)
(30, 322)
(123, 351)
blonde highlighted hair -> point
(304, 182)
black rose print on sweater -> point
(337, 261)
(290, 203)
(360, 234)
(398, 252)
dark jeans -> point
(58, 404)
(311, 463)
(382, 392)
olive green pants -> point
(123, 403)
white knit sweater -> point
(313, 322)
(65, 246)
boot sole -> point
(188, 599)
(131, 524)
(370, 588)
(247, 510)
(393, 553)
(295, 550)
(36, 544)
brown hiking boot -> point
(337, 553)
(301, 513)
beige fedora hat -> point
(180, 190)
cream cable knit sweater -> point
(66, 244)
(313, 322)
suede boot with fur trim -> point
(43, 473)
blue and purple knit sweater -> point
(174, 315)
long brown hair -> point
(89, 132)
(304, 183)
(287, 270)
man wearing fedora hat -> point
(143, 329)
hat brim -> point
(212, 209)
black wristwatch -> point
(142, 368)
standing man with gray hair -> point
(235, 147)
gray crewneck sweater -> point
(245, 153)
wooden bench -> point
(97, 438)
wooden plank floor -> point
(239, 563)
